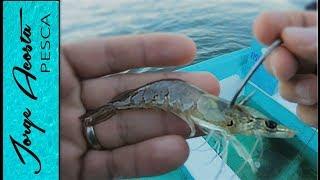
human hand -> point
(138, 143)
(295, 62)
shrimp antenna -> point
(268, 51)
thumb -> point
(302, 42)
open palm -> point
(137, 143)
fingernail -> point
(302, 92)
(273, 68)
(301, 35)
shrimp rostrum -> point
(196, 107)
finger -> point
(133, 126)
(97, 92)
(269, 25)
(101, 57)
(69, 84)
(69, 157)
(302, 42)
(282, 64)
(301, 89)
(308, 114)
(152, 157)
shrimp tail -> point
(98, 115)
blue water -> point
(217, 26)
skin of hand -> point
(294, 64)
(138, 143)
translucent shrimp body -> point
(197, 108)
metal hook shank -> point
(273, 46)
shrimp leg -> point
(243, 153)
(246, 98)
(253, 149)
(224, 153)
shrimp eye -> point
(230, 123)
(271, 124)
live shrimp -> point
(196, 107)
